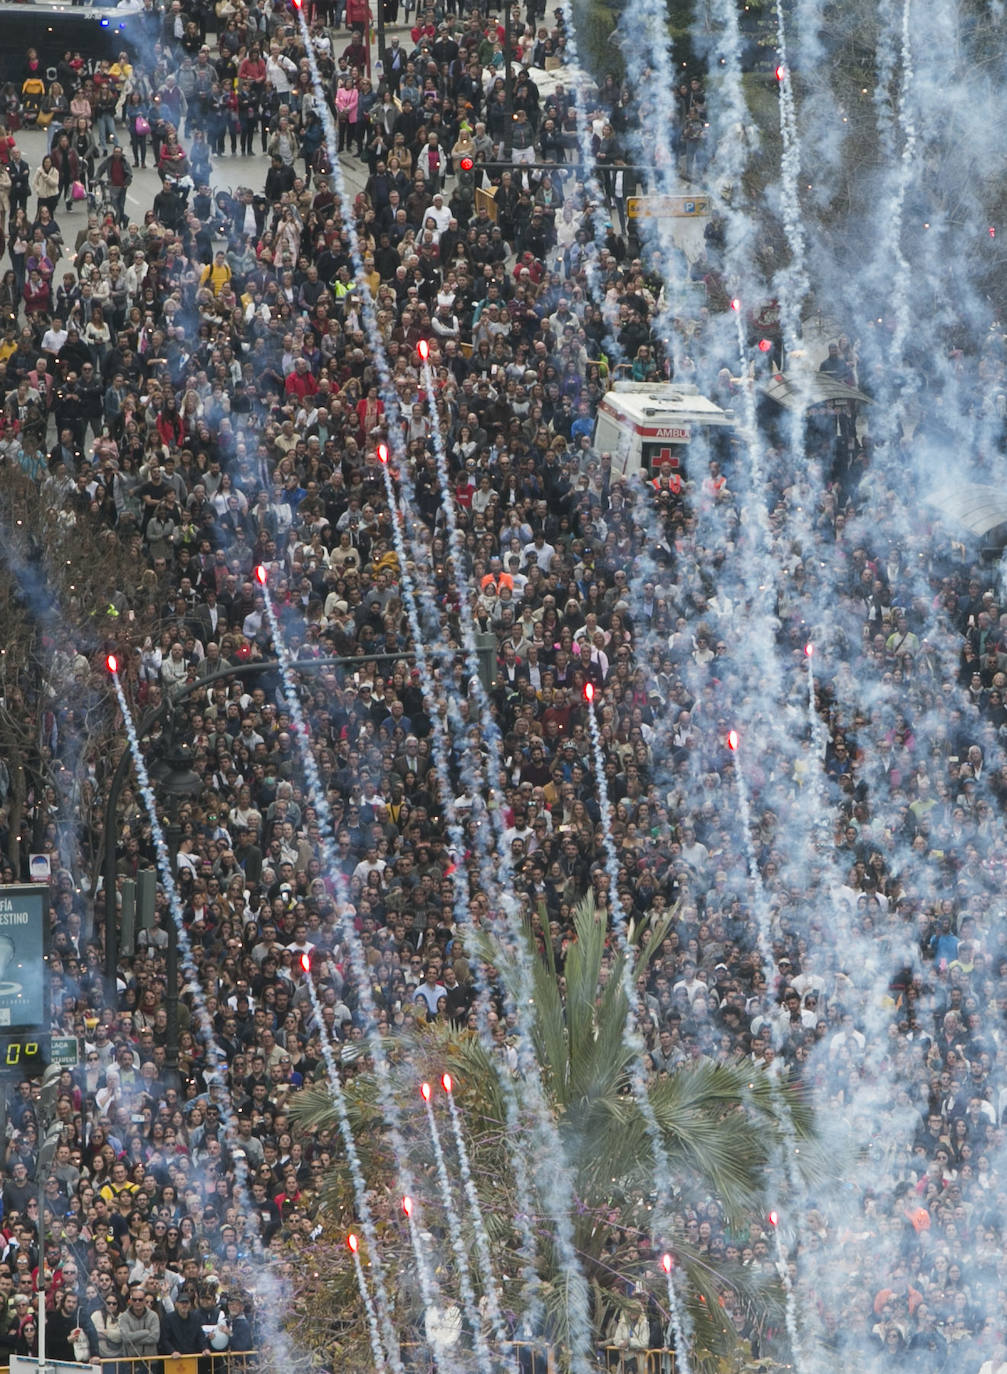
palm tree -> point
(722, 1133)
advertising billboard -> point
(23, 913)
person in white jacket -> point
(279, 70)
(106, 1323)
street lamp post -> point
(382, 47)
(178, 783)
(508, 83)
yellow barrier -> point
(223, 1362)
(616, 1359)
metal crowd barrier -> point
(616, 1359)
(520, 1357)
(529, 1357)
(224, 1362)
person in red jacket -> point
(300, 383)
(370, 409)
(37, 295)
(169, 423)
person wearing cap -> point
(182, 1329)
(238, 1321)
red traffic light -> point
(466, 164)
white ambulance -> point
(647, 424)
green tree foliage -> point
(720, 1125)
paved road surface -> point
(228, 172)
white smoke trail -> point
(358, 960)
(457, 1239)
(365, 1294)
(217, 1076)
(907, 167)
(390, 398)
(478, 1222)
(632, 1037)
(350, 1145)
(460, 887)
(556, 1191)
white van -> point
(645, 424)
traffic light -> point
(466, 187)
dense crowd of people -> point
(200, 387)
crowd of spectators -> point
(199, 385)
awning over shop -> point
(972, 508)
(815, 388)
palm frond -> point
(724, 1129)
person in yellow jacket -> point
(216, 274)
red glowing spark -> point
(765, 345)
(780, 72)
(112, 664)
(423, 349)
(774, 1219)
(383, 453)
(425, 1091)
(306, 963)
(589, 692)
(667, 1263)
(446, 1082)
(261, 574)
(992, 232)
(466, 164)
(809, 650)
(298, 4)
(732, 740)
(352, 1242)
(407, 1206)
(736, 305)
